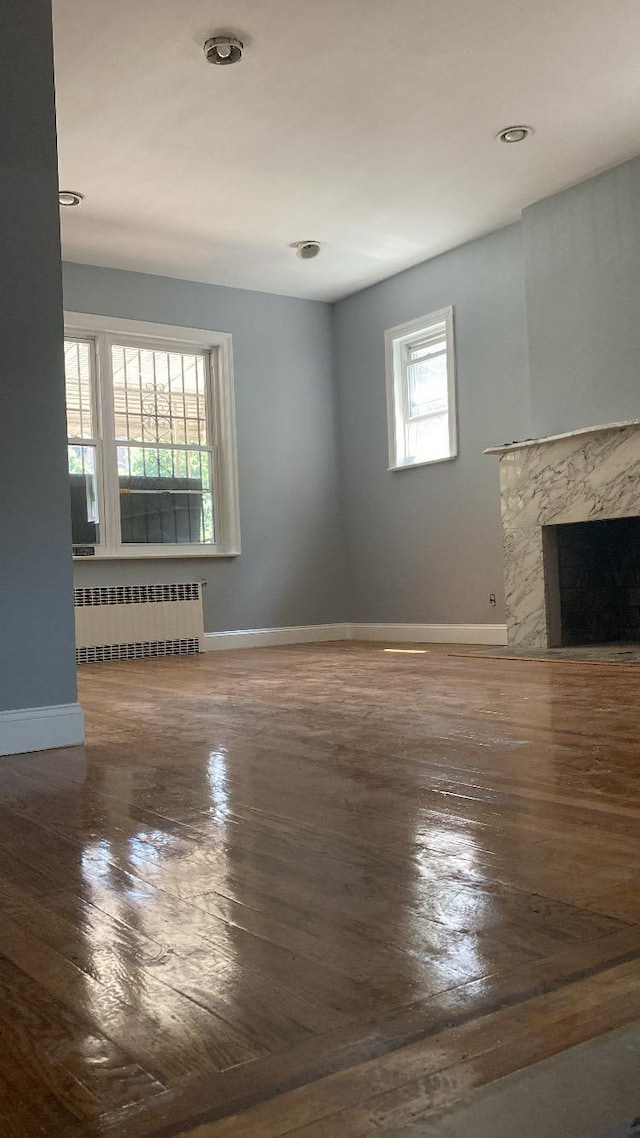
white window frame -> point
(100, 332)
(396, 340)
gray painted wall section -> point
(292, 569)
(425, 544)
(582, 259)
(547, 326)
(37, 665)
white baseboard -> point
(41, 728)
(398, 633)
(432, 633)
(268, 637)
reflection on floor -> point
(579, 1093)
(313, 891)
(622, 653)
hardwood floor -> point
(313, 890)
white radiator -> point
(129, 622)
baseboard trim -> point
(41, 728)
(432, 633)
(269, 637)
(396, 633)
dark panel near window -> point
(160, 510)
(83, 530)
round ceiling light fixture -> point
(223, 50)
(70, 197)
(306, 250)
(514, 133)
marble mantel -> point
(584, 475)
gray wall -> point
(37, 666)
(424, 544)
(292, 567)
(582, 262)
(547, 326)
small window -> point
(151, 446)
(421, 391)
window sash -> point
(407, 362)
(148, 404)
(437, 405)
(408, 352)
(106, 443)
(427, 415)
(93, 438)
(435, 340)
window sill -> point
(138, 554)
(425, 462)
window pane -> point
(84, 495)
(427, 382)
(77, 370)
(159, 397)
(427, 439)
(165, 496)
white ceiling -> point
(365, 124)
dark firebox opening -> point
(592, 573)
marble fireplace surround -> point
(585, 475)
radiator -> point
(130, 622)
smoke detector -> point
(70, 197)
(514, 134)
(306, 250)
(223, 50)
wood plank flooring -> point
(313, 890)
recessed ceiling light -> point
(306, 250)
(223, 50)
(514, 134)
(70, 197)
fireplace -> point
(592, 576)
(571, 527)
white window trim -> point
(223, 412)
(395, 340)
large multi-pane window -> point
(421, 391)
(149, 465)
